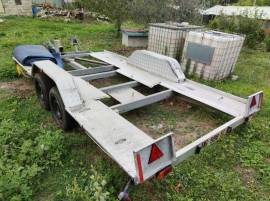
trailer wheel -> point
(62, 118)
(42, 87)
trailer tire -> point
(60, 115)
(42, 87)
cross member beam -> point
(97, 76)
(148, 100)
(76, 65)
(90, 71)
(90, 61)
(130, 84)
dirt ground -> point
(22, 87)
(181, 119)
(248, 175)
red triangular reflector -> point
(253, 102)
(155, 154)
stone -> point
(235, 77)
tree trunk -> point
(118, 25)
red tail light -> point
(253, 102)
(163, 173)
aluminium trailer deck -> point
(139, 155)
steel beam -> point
(148, 100)
(99, 75)
(90, 61)
(90, 71)
(68, 55)
(76, 65)
(190, 149)
(120, 86)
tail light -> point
(163, 173)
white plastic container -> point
(225, 49)
(169, 38)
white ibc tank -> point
(211, 55)
(169, 38)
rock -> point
(235, 77)
(157, 127)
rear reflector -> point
(139, 162)
(163, 173)
(155, 154)
(253, 102)
(153, 158)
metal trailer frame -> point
(140, 156)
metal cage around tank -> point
(169, 38)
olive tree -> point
(188, 11)
(145, 11)
(116, 10)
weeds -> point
(85, 186)
(25, 153)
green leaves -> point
(87, 185)
(26, 150)
(251, 28)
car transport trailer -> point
(70, 96)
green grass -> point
(237, 167)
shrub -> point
(86, 186)
(8, 73)
(223, 23)
(251, 28)
(25, 152)
(267, 43)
